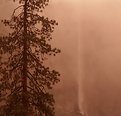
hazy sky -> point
(101, 38)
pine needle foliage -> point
(25, 81)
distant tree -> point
(25, 82)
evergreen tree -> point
(25, 82)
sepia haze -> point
(89, 36)
(101, 57)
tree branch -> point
(15, 90)
(37, 82)
(16, 9)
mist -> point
(101, 57)
(89, 36)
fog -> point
(89, 36)
(101, 54)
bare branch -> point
(16, 9)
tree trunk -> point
(24, 80)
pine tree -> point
(25, 81)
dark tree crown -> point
(24, 79)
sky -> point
(101, 56)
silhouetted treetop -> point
(24, 79)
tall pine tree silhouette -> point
(25, 82)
